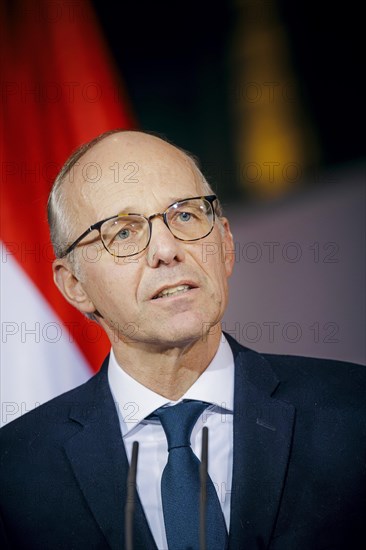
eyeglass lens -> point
(187, 220)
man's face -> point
(144, 175)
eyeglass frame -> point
(96, 226)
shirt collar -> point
(134, 402)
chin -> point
(185, 331)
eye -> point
(123, 234)
(184, 216)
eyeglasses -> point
(128, 234)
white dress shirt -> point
(134, 402)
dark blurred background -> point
(267, 93)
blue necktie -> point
(180, 483)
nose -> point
(164, 247)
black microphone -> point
(203, 487)
(131, 497)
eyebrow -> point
(130, 210)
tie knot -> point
(178, 421)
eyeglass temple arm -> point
(75, 243)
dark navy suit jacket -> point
(299, 473)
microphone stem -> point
(131, 497)
(203, 491)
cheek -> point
(217, 269)
(111, 286)
(217, 281)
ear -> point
(228, 247)
(70, 286)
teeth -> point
(173, 290)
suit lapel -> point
(100, 465)
(262, 439)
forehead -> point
(131, 172)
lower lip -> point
(174, 297)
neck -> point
(167, 370)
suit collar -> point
(263, 429)
(254, 368)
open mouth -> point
(173, 291)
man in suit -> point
(287, 435)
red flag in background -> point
(58, 89)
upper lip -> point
(172, 285)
